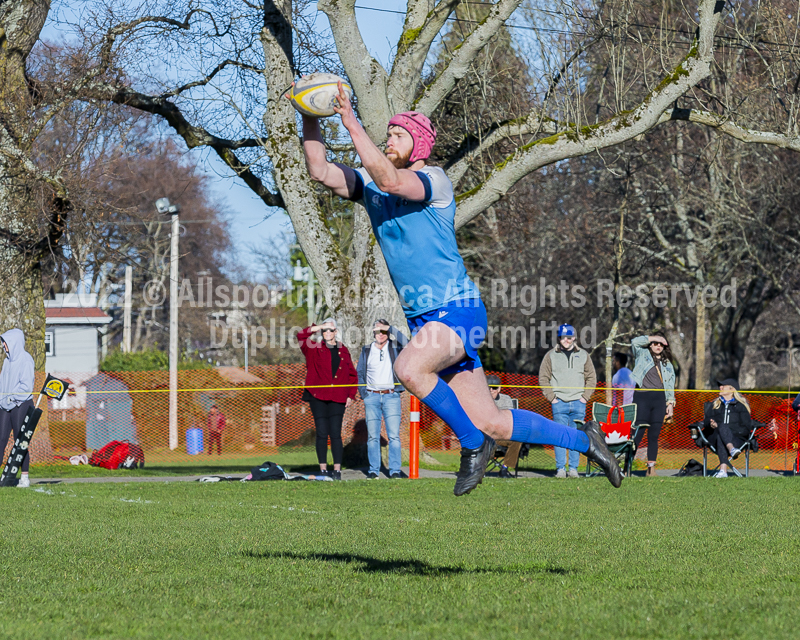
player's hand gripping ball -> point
(315, 94)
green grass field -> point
(667, 558)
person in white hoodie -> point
(16, 391)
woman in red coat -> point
(328, 362)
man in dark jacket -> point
(380, 389)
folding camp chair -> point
(700, 436)
(496, 463)
(619, 425)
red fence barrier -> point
(265, 414)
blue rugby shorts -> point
(468, 319)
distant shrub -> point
(147, 360)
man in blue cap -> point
(568, 379)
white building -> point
(72, 334)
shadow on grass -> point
(83, 471)
(368, 564)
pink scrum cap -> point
(423, 133)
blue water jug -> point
(194, 441)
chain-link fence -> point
(264, 414)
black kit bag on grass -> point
(134, 459)
(268, 471)
(691, 468)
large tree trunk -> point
(21, 296)
(356, 284)
(21, 305)
(731, 327)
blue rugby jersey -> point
(418, 241)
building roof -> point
(76, 315)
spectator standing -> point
(568, 379)
(655, 397)
(216, 425)
(504, 402)
(727, 423)
(16, 386)
(622, 379)
(328, 362)
(380, 390)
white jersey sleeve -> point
(441, 187)
(364, 175)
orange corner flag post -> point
(413, 438)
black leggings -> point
(12, 421)
(651, 409)
(719, 438)
(328, 423)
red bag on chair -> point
(616, 429)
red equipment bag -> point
(118, 454)
(617, 430)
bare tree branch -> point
(464, 55)
(193, 135)
(694, 67)
(472, 147)
(204, 81)
(368, 77)
(419, 31)
(727, 126)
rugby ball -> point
(315, 94)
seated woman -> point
(727, 423)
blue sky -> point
(251, 222)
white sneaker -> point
(573, 473)
(561, 473)
(721, 474)
(24, 482)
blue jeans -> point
(388, 405)
(566, 413)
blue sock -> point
(444, 403)
(535, 429)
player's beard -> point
(400, 162)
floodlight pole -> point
(163, 206)
(173, 331)
(245, 331)
(126, 327)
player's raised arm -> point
(387, 177)
(337, 177)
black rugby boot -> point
(600, 454)
(473, 466)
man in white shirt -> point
(380, 389)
